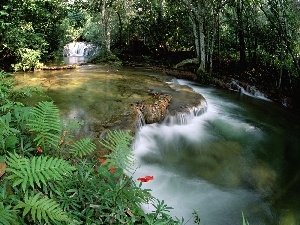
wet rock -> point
(106, 98)
(154, 109)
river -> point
(241, 155)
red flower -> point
(146, 178)
(112, 169)
(143, 179)
(39, 149)
(101, 160)
(149, 177)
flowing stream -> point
(242, 154)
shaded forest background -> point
(255, 41)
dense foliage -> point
(47, 176)
(259, 39)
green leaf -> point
(8, 216)
(119, 143)
(45, 123)
(38, 169)
(82, 147)
(42, 209)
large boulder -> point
(154, 109)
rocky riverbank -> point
(106, 97)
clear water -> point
(241, 155)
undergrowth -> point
(47, 176)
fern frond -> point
(119, 143)
(7, 215)
(44, 121)
(7, 133)
(36, 170)
(82, 147)
(42, 209)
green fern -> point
(36, 170)
(119, 143)
(45, 123)
(42, 209)
(7, 133)
(7, 215)
(82, 147)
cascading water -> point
(219, 163)
(247, 90)
(78, 52)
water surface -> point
(241, 155)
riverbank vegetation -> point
(48, 176)
(255, 41)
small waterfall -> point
(246, 89)
(202, 162)
(141, 120)
(80, 49)
(182, 118)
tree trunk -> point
(202, 46)
(105, 25)
(241, 35)
(197, 16)
(196, 37)
(120, 29)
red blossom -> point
(39, 149)
(149, 177)
(112, 169)
(143, 179)
(101, 160)
(146, 178)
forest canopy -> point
(240, 35)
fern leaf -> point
(42, 209)
(119, 143)
(37, 170)
(44, 121)
(7, 215)
(82, 147)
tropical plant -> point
(7, 215)
(29, 60)
(42, 209)
(36, 170)
(47, 178)
(45, 123)
(121, 156)
(82, 147)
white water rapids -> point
(207, 165)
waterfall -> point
(246, 89)
(181, 118)
(141, 120)
(85, 49)
(199, 161)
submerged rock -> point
(111, 98)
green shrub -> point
(29, 60)
(47, 178)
